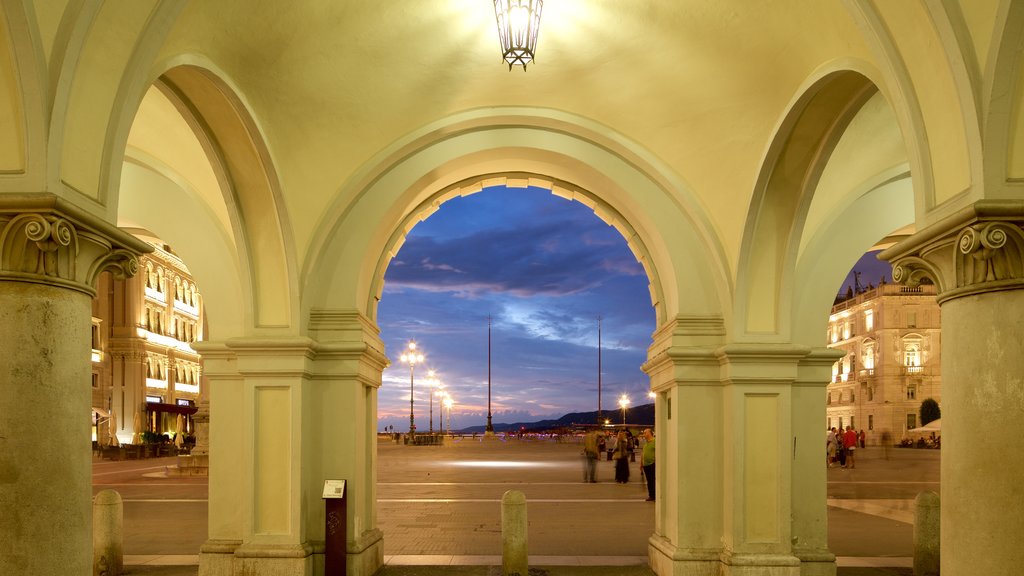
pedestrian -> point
(850, 445)
(621, 456)
(647, 463)
(590, 454)
(831, 447)
(601, 443)
(611, 444)
(862, 437)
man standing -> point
(850, 443)
(648, 463)
(590, 456)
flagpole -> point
(490, 427)
(600, 418)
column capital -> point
(979, 249)
(46, 240)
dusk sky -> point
(544, 268)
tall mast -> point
(490, 428)
(600, 418)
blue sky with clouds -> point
(544, 268)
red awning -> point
(172, 408)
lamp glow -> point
(518, 27)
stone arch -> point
(565, 190)
(259, 244)
(22, 101)
(92, 113)
(790, 173)
(564, 152)
(1003, 99)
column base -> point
(233, 558)
(274, 559)
(816, 562)
(734, 564)
(667, 559)
(366, 554)
(217, 557)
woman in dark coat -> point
(621, 458)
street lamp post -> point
(431, 383)
(623, 402)
(412, 358)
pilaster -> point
(684, 373)
(759, 440)
(51, 255)
(296, 411)
(976, 260)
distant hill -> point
(638, 415)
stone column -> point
(685, 374)
(809, 480)
(285, 415)
(341, 423)
(759, 440)
(51, 254)
(976, 259)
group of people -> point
(619, 448)
(840, 446)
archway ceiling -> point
(331, 84)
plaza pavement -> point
(439, 509)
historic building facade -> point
(890, 339)
(143, 367)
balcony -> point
(866, 372)
(912, 370)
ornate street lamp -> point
(412, 358)
(518, 26)
(623, 402)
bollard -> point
(514, 560)
(926, 534)
(107, 534)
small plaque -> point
(334, 488)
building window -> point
(869, 320)
(871, 422)
(911, 319)
(853, 396)
(95, 380)
(852, 425)
(871, 393)
(911, 420)
(911, 392)
(840, 422)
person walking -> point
(831, 446)
(862, 437)
(647, 463)
(621, 456)
(590, 454)
(850, 444)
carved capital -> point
(977, 250)
(47, 241)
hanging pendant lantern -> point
(518, 26)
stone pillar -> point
(107, 534)
(976, 259)
(51, 254)
(926, 534)
(809, 480)
(515, 559)
(759, 440)
(685, 374)
(290, 413)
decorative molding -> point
(975, 251)
(44, 240)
